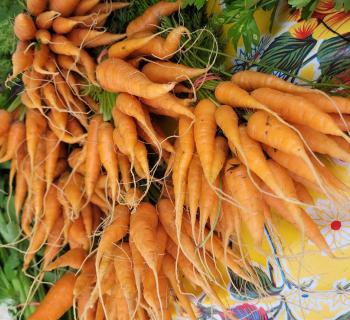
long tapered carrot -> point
(49, 308)
(73, 258)
(250, 80)
(204, 134)
(93, 161)
(126, 78)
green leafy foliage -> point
(339, 4)
(199, 4)
(240, 14)
(105, 99)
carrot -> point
(74, 258)
(16, 137)
(92, 20)
(22, 58)
(303, 194)
(250, 80)
(120, 310)
(76, 160)
(77, 237)
(124, 271)
(204, 134)
(73, 193)
(125, 169)
(119, 143)
(87, 275)
(298, 110)
(250, 201)
(164, 72)
(68, 63)
(194, 182)
(170, 271)
(342, 122)
(309, 227)
(63, 291)
(41, 56)
(93, 161)
(63, 25)
(24, 27)
(115, 231)
(43, 36)
(268, 130)
(108, 7)
(27, 216)
(5, 121)
(53, 149)
(85, 6)
(123, 49)
(208, 206)
(45, 19)
(141, 158)
(21, 189)
(127, 129)
(36, 242)
(328, 104)
(87, 38)
(35, 7)
(149, 20)
(52, 208)
(64, 8)
(180, 171)
(85, 311)
(220, 155)
(128, 79)
(108, 156)
(138, 268)
(341, 142)
(54, 242)
(321, 143)
(161, 48)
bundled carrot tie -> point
(84, 182)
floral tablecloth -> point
(301, 282)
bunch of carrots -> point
(82, 183)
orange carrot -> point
(298, 110)
(328, 104)
(127, 129)
(108, 7)
(204, 134)
(164, 72)
(151, 17)
(268, 130)
(24, 27)
(115, 231)
(108, 156)
(93, 162)
(250, 80)
(142, 160)
(250, 201)
(62, 290)
(53, 149)
(168, 102)
(41, 56)
(125, 169)
(45, 19)
(220, 155)
(52, 208)
(22, 58)
(180, 171)
(65, 8)
(73, 193)
(54, 242)
(126, 78)
(16, 137)
(87, 38)
(5, 121)
(43, 36)
(321, 143)
(35, 7)
(161, 48)
(194, 182)
(63, 25)
(77, 237)
(340, 122)
(85, 6)
(170, 271)
(21, 189)
(124, 271)
(123, 49)
(74, 258)
(303, 194)
(27, 216)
